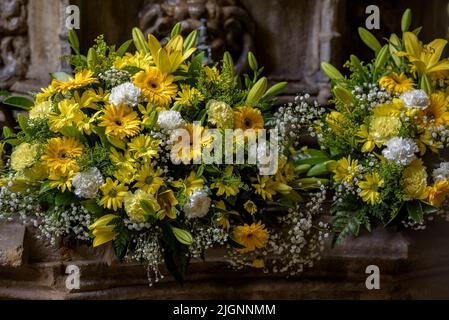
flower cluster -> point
(386, 134)
(127, 150)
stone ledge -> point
(12, 239)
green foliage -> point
(98, 156)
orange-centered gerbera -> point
(120, 122)
(61, 153)
(248, 118)
(156, 86)
(253, 236)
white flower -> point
(126, 93)
(170, 120)
(198, 205)
(415, 99)
(87, 183)
(400, 150)
(441, 173)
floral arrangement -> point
(118, 153)
(386, 133)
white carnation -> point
(400, 150)
(170, 120)
(126, 93)
(87, 183)
(415, 99)
(441, 173)
(198, 204)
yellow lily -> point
(167, 201)
(169, 58)
(103, 230)
(425, 58)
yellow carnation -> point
(414, 180)
(133, 205)
(24, 156)
(220, 114)
(383, 128)
(41, 110)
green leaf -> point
(92, 206)
(65, 199)
(23, 122)
(417, 31)
(91, 58)
(176, 30)
(70, 131)
(382, 57)
(19, 102)
(332, 72)
(196, 64)
(183, 236)
(7, 133)
(425, 84)
(139, 41)
(147, 207)
(406, 20)
(310, 156)
(344, 95)
(275, 89)
(190, 40)
(369, 39)
(74, 42)
(319, 169)
(4, 93)
(123, 48)
(45, 187)
(228, 67)
(415, 211)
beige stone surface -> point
(12, 236)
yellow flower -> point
(425, 59)
(103, 230)
(24, 156)
(156, 86)
(133, 205)
(191, 147)
(41, 110)
(223, 188)
(437, 112)
(69, 114)
(267, 187)
(258, 263)
(383, 128)
(345, 169)
(90, 98)
(37, 172)
(81, 79)
(370, 188)
(191, 183)
(223, 215)
(113, 194)
(248, 118)
(220, 114)
(46, 93)
(253, 236)
(61, 180)
(169, 58)
(426, 139)
(437, 193)
(335, 120)
(148, 179)
(187, 96)
(212, 74)
(393, 109)
(120, 122)
(139, 60)
(144, 147)
(397, 83)
(414, 179)
(167, 202)
(366, 138)
(126, 174)
(61, 153)
(250, 207)
(2, 153)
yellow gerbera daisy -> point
(61, 180)
(250, 207)
(113, 194)
(61, 153)
(46, 93)
(266, 187)
(69, 114)
(370, 188)
(248, 118)
(253, 236)
(437, 111)
(437, 193)
(156, 86)
(149, 179)
(81, 79)
(120, 122)
(191, 147)
(144, 147)
(397, 83)
(345, 169)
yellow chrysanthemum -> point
(133, 206)
(437, 194)
(113, 194)
(437, 112)
(267, 187)
(149, 179)
(81, 79)
(61, 154)
(397, 83)
(156, 86)
(253, 236)
(144, 147)
(41, 110)
(414, 179)
(69, 114)
(250, 207)
(24, 156)
(248, 118)
(191, 183)
(187, 96)
(345, 169)
(383, 128)
(139, 60)
(121, 122)
(370, 188)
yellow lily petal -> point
(412, 44)
(103, 237)
(163, 61)
(436, 47)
